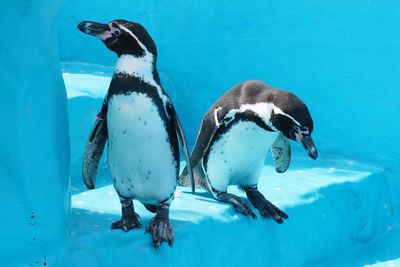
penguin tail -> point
(184, 178)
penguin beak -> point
(308, 145)
(93, 28)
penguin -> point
(235, 136)
(141, 126)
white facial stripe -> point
(134, 36)
(262, 109)
(279, 111)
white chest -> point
(140, 156)
(238, 156)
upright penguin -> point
(141, 125)
(235, 135)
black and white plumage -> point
(235, 135)
(141, 125)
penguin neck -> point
(138, 67)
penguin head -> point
(122, 37)
(292, 118)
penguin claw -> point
(267, 209)
(249, 212)
(127, 223)
(237, 203)
(160, 230)
(253, 215)
(242, 207)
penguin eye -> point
(117, 33)
(296, 128)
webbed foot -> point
(130, 219)
(160, 227)
(237, 203)
(127, 223)
(265, 207)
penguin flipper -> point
(281, 153)
(93, 152)
(205, 135)
(185, 149)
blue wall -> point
(34, 147)
(341, 57)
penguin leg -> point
(236, 202)
(160, 227)
(130, 219)
(266, 208)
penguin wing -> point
(185, 149)
(207, 130)
(206, 133)
(94, 148)
(281, 153)
(93, 152)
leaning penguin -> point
(141, 126)
(235, 136)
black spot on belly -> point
(149, 136)
(225, 161)
(145, 122)
(139, 118)
(222, 152)
(124, 132)
(119, 109)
